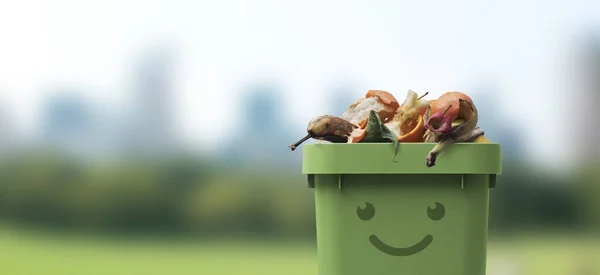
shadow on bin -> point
(375, 216)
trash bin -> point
(376, 216)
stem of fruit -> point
(445, 122)
(444, 113)
(441, 124)
(293, 146)
(421, 97)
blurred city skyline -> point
(372, 46)
(71, 122)
(75, 122)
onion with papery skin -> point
(445, 110)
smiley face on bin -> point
(435, 213)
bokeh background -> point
(150, 137)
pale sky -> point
(436, 46)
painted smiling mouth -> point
(397, 251)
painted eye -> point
(366, 213)
(436, 213)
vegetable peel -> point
(467, 131)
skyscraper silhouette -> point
(262, 134)
(67, 121)
(152, 100)
(585, 134)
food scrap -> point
(463, 132)
(376, 131)
(407, 123)
(378, 117)
(327, 128)
(382, 102)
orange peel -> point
(414, 129)
(386, 98)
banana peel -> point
(481, 139)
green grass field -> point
(23, 252)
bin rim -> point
(377, 158)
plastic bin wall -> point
(377, 216)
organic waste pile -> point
(378, 117)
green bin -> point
(376, 216)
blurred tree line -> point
(188, 195)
